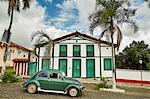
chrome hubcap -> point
(73, 92)
(31, 88)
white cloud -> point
(55, 33)
(144, 30)
(65, 15)
(81, 20)
(50, 1)
(25, 23)
(128, 35)
(67, 5)
(85, 7)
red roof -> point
(83, 35)
(21, 59)
(12, 44)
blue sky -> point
(70, 20)
(54, 12)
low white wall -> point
(132, 74)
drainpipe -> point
(38, 57)
(53, 57)
(99, 45)
(29, 55)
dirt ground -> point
(14, 91)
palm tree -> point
(15, 5)
(41, 39)
(12, 5)
(109, 14)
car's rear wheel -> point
(73, 92)
(32, 88)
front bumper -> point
(82, 88)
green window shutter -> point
(90, 67)
(63, 50)
(45, 64)
(63, 65)
(107, 64)
(90, 50)
(76, 50)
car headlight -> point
(82, 87)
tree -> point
(109, 14)
(132, 54)
(41, 39)
(12, 5)
(15, 5)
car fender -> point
(35, 82)
(76, 86)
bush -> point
(10, 76)
(103, 83)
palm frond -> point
(40, 38)
(17, 7)
(119, 37)
(34, 51)
(102, 34)
(11, 6)
(26, 4)
(97, 19)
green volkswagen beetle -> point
(53, 81)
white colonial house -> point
(79, 56)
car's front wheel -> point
(73, 92)
(32, 88)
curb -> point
(112, 90)
(0, 80)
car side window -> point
(54, 75)
(43, 75)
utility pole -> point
(140, 61)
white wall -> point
(70, 50)
(105, 52)
(97, 67)
(42, 50)
(78, 41)
(132, 74)
(69, 67)
(105, 73)
(96, 50)
(56, 50)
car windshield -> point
(64, 75)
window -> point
(107, 64)
(76, 50)
(54, 75)
(90, 50)
(43, 74)
(63, 51)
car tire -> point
(32, 88)
(73, 92)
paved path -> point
(14, 91)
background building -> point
(18, 58)
(79, 56)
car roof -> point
(51, 70)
